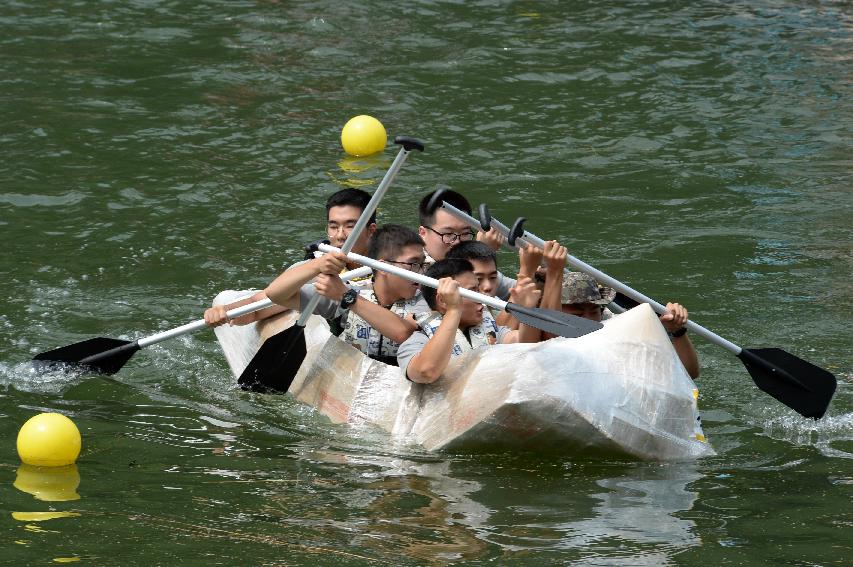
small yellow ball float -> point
(363, 135)
(49, 440)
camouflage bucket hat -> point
(579, 287)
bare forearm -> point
(255, 315)
(432, 361)
(284, 290)
(687, 354)
(551, 291)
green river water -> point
(157, 152)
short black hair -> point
(473, 250)
(447, 268)
(350, 197)
(427, 218)
(388, 240)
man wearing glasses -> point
(442, 231)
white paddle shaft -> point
(232, 314)
(416, 277)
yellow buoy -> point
(363, 135)
(49, 440)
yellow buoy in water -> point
(363, 135)
(49, 440)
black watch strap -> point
(679, 333)
(349, 298)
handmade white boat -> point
(618, 391)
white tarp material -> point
(618, 391)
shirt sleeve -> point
(326, 308)
(417, 305)
(407, 351)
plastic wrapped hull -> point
(619, 391)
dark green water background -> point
(153, 153)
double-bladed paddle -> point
(800, 385)
(548, 320)
(106, 356)
(276, 363)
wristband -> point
(679, 333)
(349, 298)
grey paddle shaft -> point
(232, 314)
(601, 277)
(475, 224)
(416, 277)
(362, 222)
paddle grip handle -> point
(416, 277)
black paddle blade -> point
(101, 355)
(276, 363)
(800, 385)
(554, 322)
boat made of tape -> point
(618, 391)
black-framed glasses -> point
(418, 267)
(452, 237)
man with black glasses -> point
(442, 231)
(439, 229)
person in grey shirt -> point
(455, 325)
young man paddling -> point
(484, 260)
(456, 325)
(583, 296)
(442, 231)
(377, 315)
(343, 209)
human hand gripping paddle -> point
(106, 356)
(800, 385)
(554, 322)
(276, 363)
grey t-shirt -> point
(416, 343)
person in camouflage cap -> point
(583, 296)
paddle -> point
(800, 385)
(106, 356)
(276, 363)
(554, 322)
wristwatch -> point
(679, 333)
(349, 298)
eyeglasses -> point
(418, 267)
(451, 237)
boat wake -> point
(827, 435)
(27, 377)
